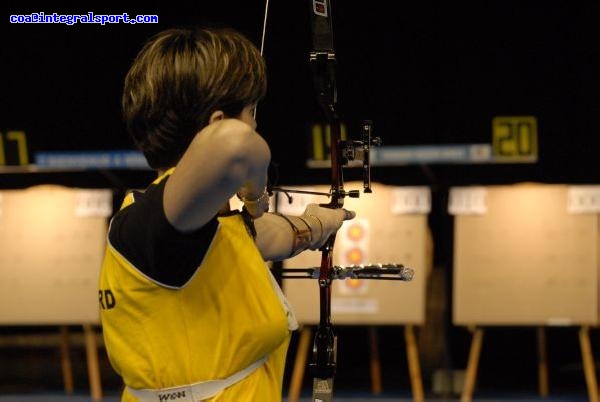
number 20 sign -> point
(514, 139)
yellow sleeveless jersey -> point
(226, 317)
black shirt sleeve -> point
(144, 236)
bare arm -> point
(274, 237)
(225, 156)
(279, 237)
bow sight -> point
(361, 150)
(357, 151)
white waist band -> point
(194, 392)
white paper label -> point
(93, 203)
(353, 305)
(559, 322)
(411, 200)
(583, 199)
(467, 201)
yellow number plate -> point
(514, 139)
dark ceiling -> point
(424, 72)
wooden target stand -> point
(412, 355)
(515, 247)
(399, 215)
(589, 369)
(69, 236)
(64, 340)
(90, 339)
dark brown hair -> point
(179, 78)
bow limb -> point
(323, 63)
